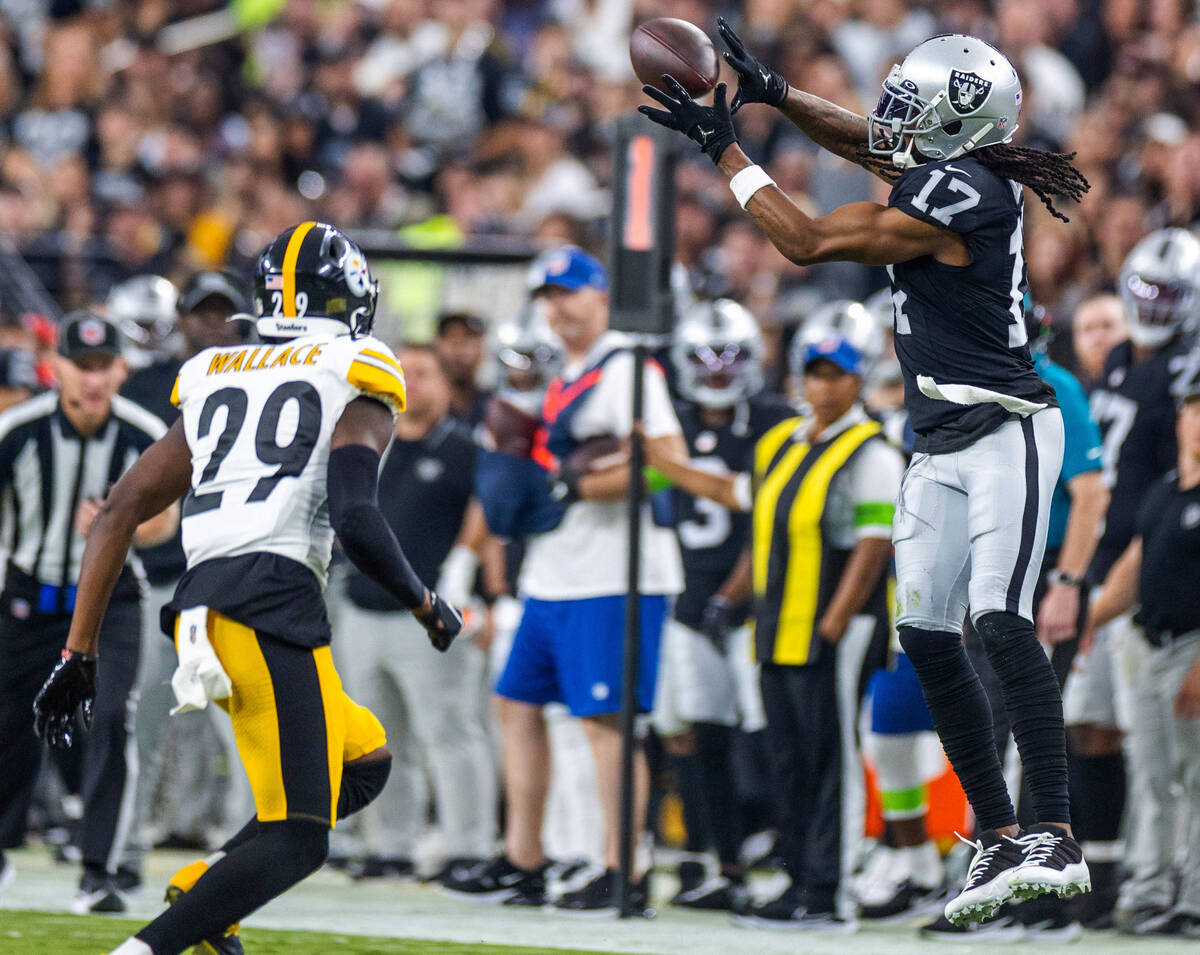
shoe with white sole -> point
(97, 894)
(989, 878)
(1053, 863)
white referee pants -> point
(1163, 753)
(970, 527)
(429, 704)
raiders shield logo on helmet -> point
(968, 91)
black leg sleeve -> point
(279, 856)
(1034, 706)
(361, 783)
(963, 720)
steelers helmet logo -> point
(968, 91)
(91, 332)
(355, 271)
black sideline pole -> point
(642, 249)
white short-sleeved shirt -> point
(587, 554)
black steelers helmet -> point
(312, 280)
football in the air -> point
(675, 48)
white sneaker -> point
(989, 877)
(886, 869)
(1053, 863)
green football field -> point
(328, 914)
(24, 932)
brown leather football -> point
(597, 454)
(676, 48)
(511, 430)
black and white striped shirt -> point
(47, 469)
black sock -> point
(1097, 803)
(279, 856)
(692, 798)
(1097, 796)
(1034, 706)
(963, 720)
(714, 751)
(752, 779)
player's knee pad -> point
(361, 783)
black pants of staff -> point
(804, 731)
(29, 648)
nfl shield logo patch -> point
(968, 91)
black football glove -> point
(716, 622)
(70, 687)
(756, 83)
(709, 126)
(442, 622)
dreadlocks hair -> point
(1049, 175)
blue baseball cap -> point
(836, 349)
(568, 268)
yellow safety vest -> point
(791, 480)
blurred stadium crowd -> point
(133, 146)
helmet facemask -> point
(896, 119)
(719, 375)
(1156, 309)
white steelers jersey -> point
(259, 421)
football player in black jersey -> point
(971, 521)
(1134, 403)
(708, 685)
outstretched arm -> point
(831, 127)
(863, 232)
(842, 132)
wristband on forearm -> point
(747, 182)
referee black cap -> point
(83, 332)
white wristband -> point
(747, 182)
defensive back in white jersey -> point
(259, 421)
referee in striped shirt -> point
(60, 452)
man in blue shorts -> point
(568, 647)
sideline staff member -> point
(428, 702)
(59, 455)
(823, 498)
(1160, 568)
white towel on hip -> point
(199, 678)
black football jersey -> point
(710, 537)
(963, 325)
(1134, 404)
